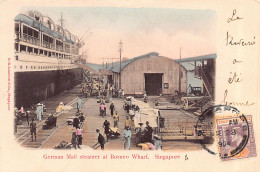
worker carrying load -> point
(60, 107)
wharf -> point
(63, 132)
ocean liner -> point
(45, 56)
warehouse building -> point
(151, 74)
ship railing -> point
(30, 39)
(67, 50)
(17, 34)
(59, 48)
(48, 45)
(52, 46)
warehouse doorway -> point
(153, 83)
(110, 79)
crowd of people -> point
(97, 87)
(145, 134)
(147, 138)
(30, 115)
(77, 134)
(104, 92)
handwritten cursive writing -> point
(241, 42)
(246, 103)
(236, 61)
(234, 17)
(234, 78)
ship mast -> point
(180, 74)
(61, 20)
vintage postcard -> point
(130, 85)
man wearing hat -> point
(128, 122)
(101, 139)
(42, 109)
(112, 107)
(81, 119)
(76, 122)
(157, 142)
(148, 132)
(140, 134)
(33, 129)
(80, 101)
(116, 119)
(106, 126)
(127, 133)
(39, 111)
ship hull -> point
(35, 86)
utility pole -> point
(120, 52)
(103, 62)
(112, 60)
(180, 73)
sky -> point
(141, 30)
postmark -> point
(231, 130)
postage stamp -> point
(236, 137)
(232, 132)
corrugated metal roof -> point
(116, 68)
(116, 65)
(95, 67)
(198, 58)
(35, 24)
